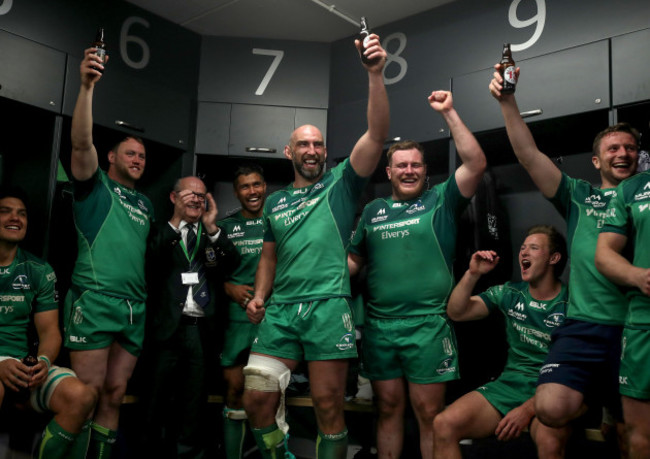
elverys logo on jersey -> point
(21, 282)
(291, 216)
(4, 309)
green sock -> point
(272, 442)
(234, 432)
(332, 446)
(101, 442)
(79, 447)
(55, 442)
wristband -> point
(46, 360)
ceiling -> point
(303, 20)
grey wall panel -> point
(466, 35)
(313, 116)
(411, 116)
(236, 70)
(31, 73)
(572, 81)
(171, 53)
(154, 112)
(213, 128)
(346, 123)
(260, 127)
(631, 67)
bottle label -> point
(101, 53)
(365, 41)
(509, 75)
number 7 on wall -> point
(277, 57)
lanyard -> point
(196, 246)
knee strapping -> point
(235, 415)
(333, 437)
(268, 375)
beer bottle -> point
(23, 394)
(364, 33)
(101, 47)
(508, 70)
(30, 360)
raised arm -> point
(469, 174)
(264, 277)
(367, 152)
(541, 169)
(462, 306)
(84, 155)
(616, 267)
(49, 343)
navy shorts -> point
(586, 357)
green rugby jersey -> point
(26, 286)
(247, 235)
(311, 228)
(409, 248)
(592, 298)
(529, 323)
(112, 224)
(629, 214)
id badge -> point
(190, 278)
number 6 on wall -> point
(125, 39)
(6, 6)
(277, 58)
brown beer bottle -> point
(101, 47)
(30, 360)
(364, 33)
(508, 70)
(23, 394)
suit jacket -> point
(166, 261)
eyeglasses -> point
(199, 196)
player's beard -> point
(309, 174)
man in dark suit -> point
(187, 259)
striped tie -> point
(201, 293)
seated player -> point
(27, 290)
(532, 309)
